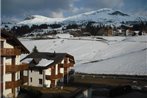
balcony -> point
(52, 77)
(15, 68)
(10, 51)
(25, 79)
(1, 87)
(68, 65)
(1, 70)
(14, 84)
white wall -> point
(61, 70)
(6, 45)
(47, 83)
(7, 92)
(25, 73)
(48, 71)
(62, 62)
(35, 78)
(7, 77)
(8, 60)
(17, 60)
(17, 75)
(56, 69)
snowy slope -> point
(114, 55)
(38, 19)
(103, 15)
(129, 64)
(106, 16)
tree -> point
(35, 49)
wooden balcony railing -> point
(14, 84)
(15, 68)
(1, 70)
(10, 51)
(1, 87)
(25, 79)
(52, 77)
(68, 65)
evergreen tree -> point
(35, 49)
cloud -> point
(97, 4)
(63, 8)
(57, 14)
(134, 6)
(23, 8)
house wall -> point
(6, 45)
(47, 82)
(48, 71)
(7, 77)
(34, 74)
(56, 69)
(62, 70)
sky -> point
(17, 10)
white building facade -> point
(11, 69)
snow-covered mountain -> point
(105, 16)
(38, 19)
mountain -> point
(105, 16)
(38, 19)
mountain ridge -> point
(106, 16)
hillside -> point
(100, 55)
(38, 20)
(105, 16)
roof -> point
(11, 39)
(35, 59)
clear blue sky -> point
(19, 9)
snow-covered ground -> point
(109, 55)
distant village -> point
(75, 30)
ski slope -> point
(111, 55)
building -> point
(11, 69)
(49, 69)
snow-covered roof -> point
(44, 63)
(44, 59)
(28, 60)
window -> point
(31, 79)
(1, 61)
(40, 81)
(40, 71)
(2, 44)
